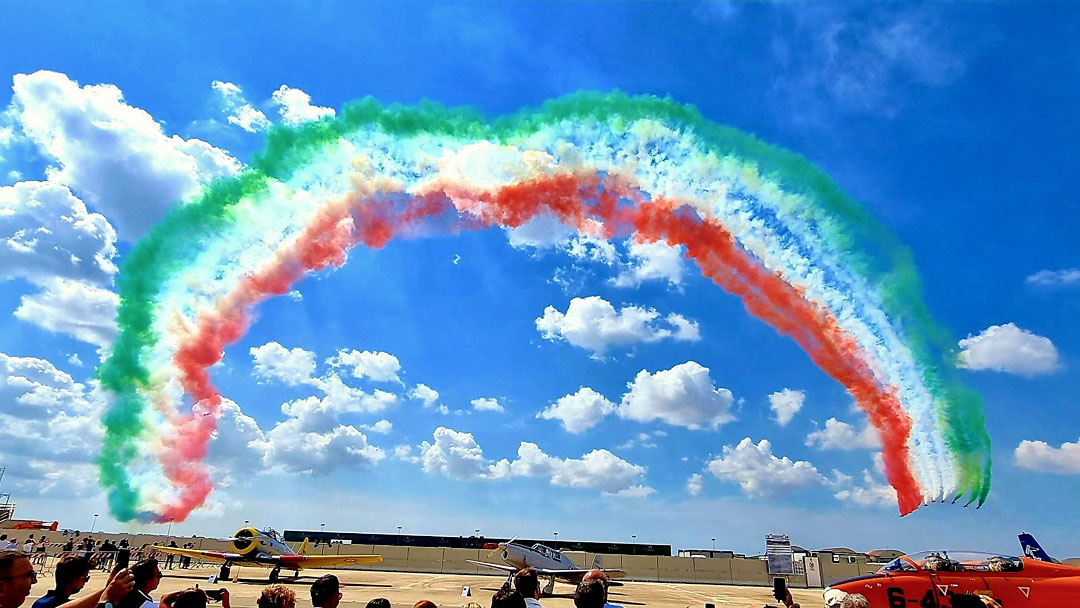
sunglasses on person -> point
(32, 574)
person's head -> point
(277, 596)
(379, 602)
(326, 592)
(147, 575)
(425, 604)
(71, 574)
(504, 598)
(527, 583)
(17, 576)
(123, 543)
(590, 594)
(190, 598)
(855, 600)
(598, 575)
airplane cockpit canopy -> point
(954, 561)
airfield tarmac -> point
(405, 588)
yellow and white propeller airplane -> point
(252, 547)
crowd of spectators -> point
(133, 586)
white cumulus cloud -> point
(785, 404)
(46, 231)
(580, 411)
(839, 435)
(456, 454)
(593, 323)
(487, 404)
(695, 484)
(295, 106)
(113, 155)
(1008, 348)
(598, 469)
(1041, 456)
(377, 366)
(684, 395)
(240, 112)
(870, 494)
(656, 261)
(292, 366)
(760, 473)
(78, 309)
(425, 394)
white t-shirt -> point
(9, 544)
(28, 547)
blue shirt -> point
(51, 600)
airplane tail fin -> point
(54, 526)
(1032, 548)
(303, 547)
(598, 562)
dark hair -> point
(379, 602)
(507, 599)
(324, 588)
(8, 557)
(425, 604)
(526, 582)
(144, 571)
(590, 594)
(70, 568)
(189, 598)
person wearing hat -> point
(326, 591)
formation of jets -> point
(252, 547)
(953, 579)
(546, 561)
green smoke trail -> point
(865, 244)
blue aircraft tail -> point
(1032, 548)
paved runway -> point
(404, 589)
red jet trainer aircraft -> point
(944, 579)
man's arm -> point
(118, 586)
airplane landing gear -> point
(549, 588)
(274, 574)
(226, 570)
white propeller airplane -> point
(252, 547)
(547, 562)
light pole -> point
(633, 537)
(556, 540)
(713, 543)
(246, 522)
(93, 525)
(322, 537)
(169, 533)
(399, 535)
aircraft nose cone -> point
(506, 554)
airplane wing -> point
(218, 556)
(503, 567)
(299, 562)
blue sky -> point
(953, 123)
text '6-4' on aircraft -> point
(962, 579)
(252, 547)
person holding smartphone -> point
(147, 577)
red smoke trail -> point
(764, 294)
(323, 244)
(576, 200)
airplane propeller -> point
(501, 546)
